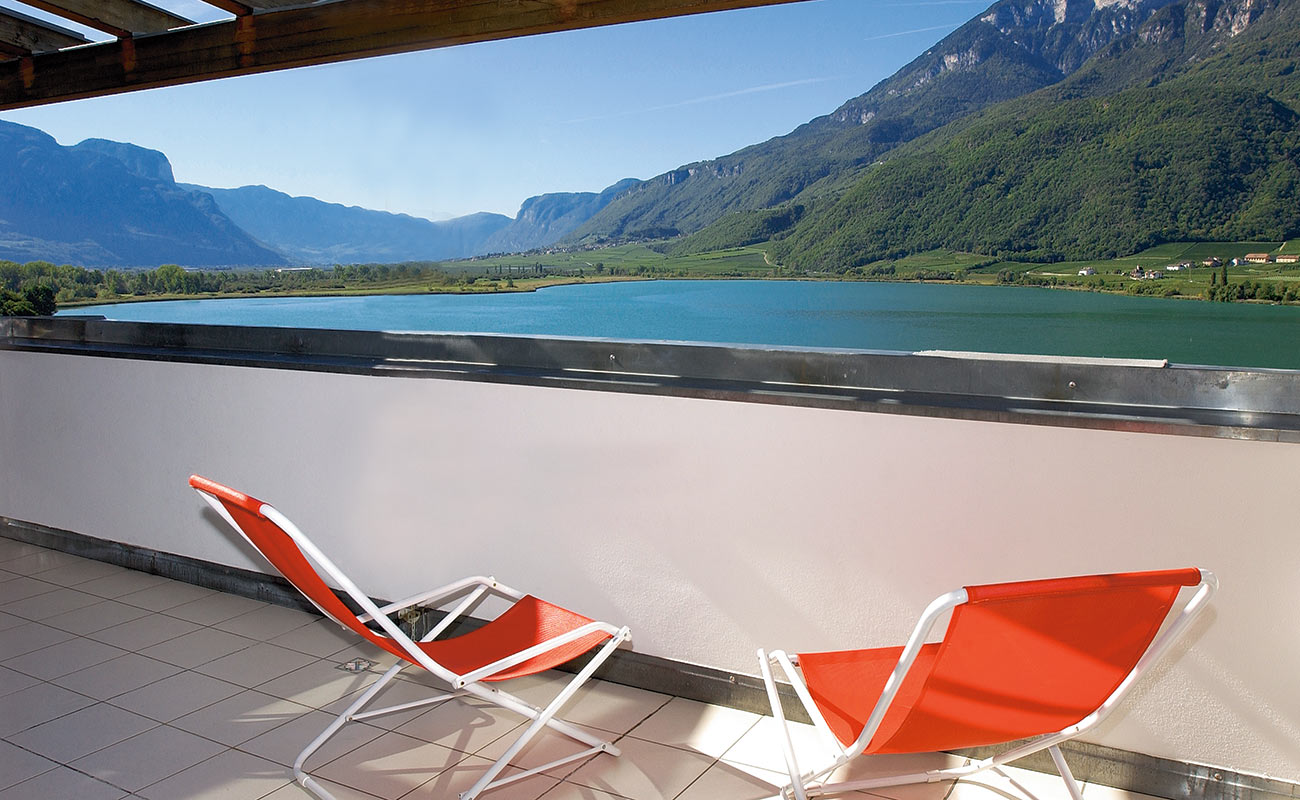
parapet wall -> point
(714, 499)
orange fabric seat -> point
(526, 623)
(1028, 665)
(529, 626)
(1017, 660)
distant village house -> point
(1289, 258)
(1258, 258)
(1212, 261)
(1086, 271)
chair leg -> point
(543, 718)
(342, 719)
(787, 747)
(1066, 775)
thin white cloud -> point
(915, 30)
(769, 87)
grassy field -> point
(529, 272)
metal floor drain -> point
(356, 665)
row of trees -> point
(37, 286)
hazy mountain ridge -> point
(105, 203)
(1012, 49)
(545, 219)
(311, 231)
(81, 205)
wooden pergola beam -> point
(117, 17)
(24, 35)
(317, 34)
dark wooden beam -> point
(26, 35)
(231, 6)
(116, 17)
(316, 34)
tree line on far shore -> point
(37, 287)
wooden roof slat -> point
(231, 6)
(316, 34)
(24, 35)
(117, 17)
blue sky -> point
(482, 127)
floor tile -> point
(256, 665)
(645, 771)
(391, 765)
(147, 758)
(17, 765)
(103, 614)
(725, 781)
(283, 744)
(116, 584)
(11, 681)
(547, 746)
(165, 595)
(293, 791)
(464, 725)
(40, 561)
(320, 639)
(198, 647)
(79, 572)
(62, 783)
(267, 622)
(707, 729)
(50, 604)
(761, 746)
(866, 767)
(82, 732)
(462, 776)
(396, 693)
(64, 658)
(28, 637)
(572, 791)
(11, 549)
(232, 775)
(146, 631)
(23, 588)
(175, 696)
(35, 705)
(240, 717)
(8, 621)
(318, 685)
(598, 704)
(215, 608)
(118, 676)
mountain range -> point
(102, 203)
(1040, 129)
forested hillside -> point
(1013, 48)
(1187, 130)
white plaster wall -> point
(710, 527)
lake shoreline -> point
(472, 291)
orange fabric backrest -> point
(1029, 658)
(283, 553)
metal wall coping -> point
(1112, 394)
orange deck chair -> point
(529, 637)
(1043, 660)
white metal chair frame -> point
(810, 784)
(467, 684)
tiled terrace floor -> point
(119, 684)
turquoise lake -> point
(873, 316)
